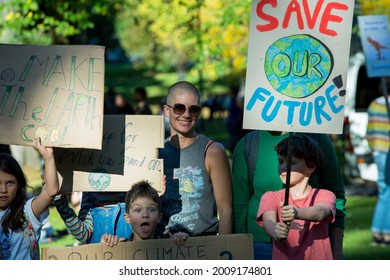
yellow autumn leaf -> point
(10, 16)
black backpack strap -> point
(251, 145)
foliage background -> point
(206, 39)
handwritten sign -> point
(375, 38)
(129, 154)
(56, 92)
(297, 65)
(219, 247)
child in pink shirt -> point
(299, 230)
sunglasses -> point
(179, 109)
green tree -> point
(208, 38)
(50, 21)
(211, 36)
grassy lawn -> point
(357, 233)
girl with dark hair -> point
(21, 217)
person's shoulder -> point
(323, 192)
(28, 210)
(215, 149)
(377, 101)
(215, 146)
(274, 193)
(27, 205)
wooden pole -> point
(289, 158)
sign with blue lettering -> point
(375, 38)
(297, 65)
(56, 92)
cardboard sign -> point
(297, 65)
(375, 38)
(56, 92)
(129, 154)
(219, 247)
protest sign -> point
(56, 92)
(217, 247)
(297, 65)
(129, 154)
(375, 38)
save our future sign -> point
(297, 65)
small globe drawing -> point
(99, 179)
(298, 65)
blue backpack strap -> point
(251, 144)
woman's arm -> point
(218, 167)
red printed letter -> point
(273, 22)
(311, 20)
(327, 17)
(293, 7)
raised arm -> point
(81, 226)
(49, 191)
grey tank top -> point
(188, 203)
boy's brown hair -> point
(302, 147)
(142, 189)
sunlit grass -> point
(357, 237)
(58, 225)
